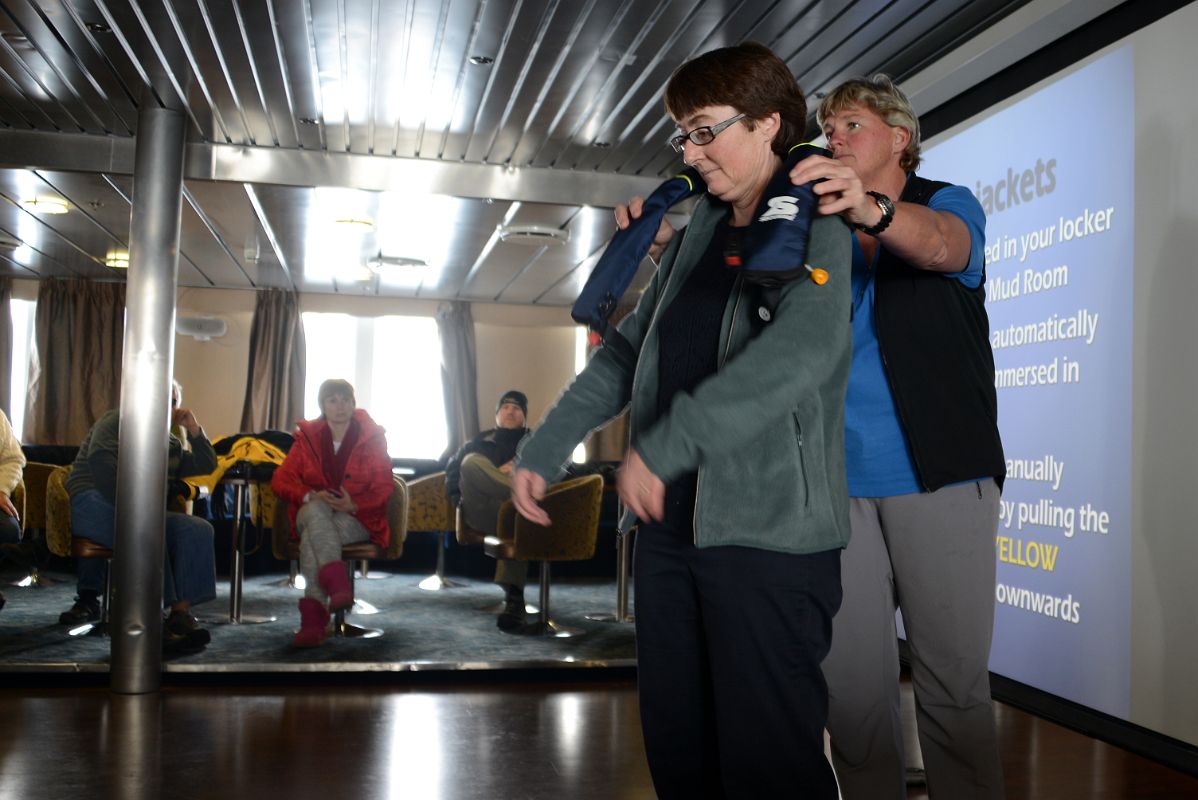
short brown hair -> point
(748, 77)
(881, 96)
(331, 387)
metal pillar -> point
(136, 626)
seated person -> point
(12, 463)
(189, 569)
(336, 480)
(479, 478)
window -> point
(394, 364)
(22, 336)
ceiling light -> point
(46, 205)
(117, 259)
(534, 235)
(395, 261)
(356, 223)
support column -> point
(136, 625)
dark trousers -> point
(729, 645)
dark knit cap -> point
(513, 396)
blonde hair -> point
(881, 96)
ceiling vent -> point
(534, 235)
(201, 328)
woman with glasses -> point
(735, 468)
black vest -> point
(934, 338)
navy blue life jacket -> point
(772, 252)
(618, 264)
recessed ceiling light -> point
(46, 205)
(117, 259)
(534, 235)
(481, 61)
(356, 223)
(395, 261)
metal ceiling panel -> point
(382, 98)
(66, 245)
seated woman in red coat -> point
(337, 480)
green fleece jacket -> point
(765, 432)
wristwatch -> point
(887, 206)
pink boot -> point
(334, 579)
(314, 619)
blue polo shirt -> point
(877, 454)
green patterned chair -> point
(573, 507)
(429, 512)
(286, 548)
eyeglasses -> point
(704, 134)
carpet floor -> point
(422, 630)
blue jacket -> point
(765, 432)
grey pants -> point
(484, 488)
(932, 555)
(322, 532)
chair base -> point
(548, 628)
(362, 607)
(90, 629)
(435, 583)
(34, 580)
(244, 619)
(610, 617)
(364, 573)
(497, 608)
(348, 630)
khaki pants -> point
(484, 489)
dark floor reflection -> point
(490, 740)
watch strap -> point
(887, 206)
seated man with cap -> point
(479, 478)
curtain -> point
(274, 385)
(75, 363)
(6, 348)
(459, 376)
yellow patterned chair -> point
(62, 541)
(286, 548)
(428, 512)
(573, 507)
(30, 500)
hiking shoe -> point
(83, 611)
(181, 633)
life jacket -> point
(253, 456)
(772, 251)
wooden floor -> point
(500, 741)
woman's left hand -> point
(342, 502)
(840, 190)
(641, 491)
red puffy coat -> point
(368, 479)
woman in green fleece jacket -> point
(736, 462)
